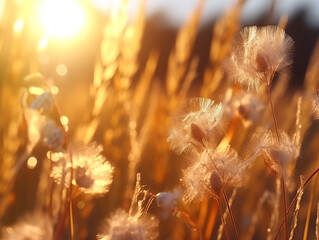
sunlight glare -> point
(61, 18)
(18, 25)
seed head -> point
(122, 226)
(277, 155)
(244, 105)
(257, 53)
(216, 183)
(92, 173)
(36, 227)
(212, 170)
(196, 126)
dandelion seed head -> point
(92, 173)
(36, 227)
(196, 125)
(221, 166)
(277, 154)
(122, 226)
(246, 106)
(257, 53)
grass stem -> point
(223, 220)
(230, 213)
(284, 206)
(295, 199)
(273, 112)
(310, 203)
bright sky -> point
(177, 11)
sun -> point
(61, 18)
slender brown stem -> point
(68, 202)
(230, 213)
(273, 112)
(295, 199)
(284, 206)
(222, 219)
(305, 233)
(50, 189)
(71, 221)
(60, 227)
(69, 198)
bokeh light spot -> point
(43, 43)
(61, 70)
(32, 162)
(64, 120)
(18, 26)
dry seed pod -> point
(215, 183)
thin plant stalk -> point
(273, 112)
(223, 220)
(68, 209)
(282, 180)
(50, 190)
(295, 199)
(71, 221)
(295, 215)
(284, 206)
(230, 213)
(310, 203)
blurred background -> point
(61, 39)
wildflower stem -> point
(273, 112)
(284, 206)
(230, 213)
(50, 189)
(71, 221)
(68, 203)
(222, 219)
(305, 233)
(295, 199)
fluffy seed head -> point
(36, 227)
(122, 226)
(257, 53)
(277, 155)
(246, 106)
(92, 173)
(196, 125)
(211, 171)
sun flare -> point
(61, 18)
